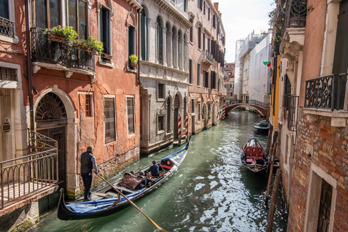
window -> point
(209, 13)
(160, 123)
(168, 115)
(199, 111)
(191, 30)
(198, 74)
(8, 74)
(200, 3)
(105, 29)
(208, 40)
(204, 8)
(203, 41)
(190, 71)
(214, 21)
(131, 41)
(144, 35)
(159, 41)
(47, 13)
(205, 79)
(192, 106)
(213, 80)
(199, 37)
(130, 115)
(109, 119)
(77, 16)
(160, 90)
(88, 105)
(185, 5)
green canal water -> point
(210, 192)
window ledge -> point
(339, 118)
(14, 40)
(169, 133)
(107, 64)
(132, 70)
(161, 132)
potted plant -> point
(62, 34)
(90, 44)
(133, 60)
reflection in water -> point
(210, 192)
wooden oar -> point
(154, 223)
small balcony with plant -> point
(58, 48)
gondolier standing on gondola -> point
(87, 164)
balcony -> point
(50, 53)
(207, 57)
(7, 28)
(327, 92)
(295, 14)
(26, 178)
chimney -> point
(216, 6)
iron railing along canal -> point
(25, 176)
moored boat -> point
(132, 186)
(254, 156)
(262, 126)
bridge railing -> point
(250, 102)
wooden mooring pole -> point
(272, 155)
(273, 201)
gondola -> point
(109, 201)
(254, 156)
(262, 126)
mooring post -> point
(275, 192)
(273, 151)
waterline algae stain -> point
(211, 191)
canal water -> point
(210, 192)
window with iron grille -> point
(160, 123)
(130, 115)
(8, 74)
(324, 207)
(109, 120)
(88, 105)
(160, 90)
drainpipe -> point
(139, 43)
(29, 67)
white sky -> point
(242, 17)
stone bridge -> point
(262, 109)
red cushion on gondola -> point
(166, 166)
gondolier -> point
(87, 164)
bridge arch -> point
(262, 111)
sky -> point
(242, 17)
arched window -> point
(174, 48)
(168, 45)
(180, 49)
(168, 115)
(159, 41)
(144, 35)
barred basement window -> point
(8, 74)
(160, 91)
(161, 123)
(130, 114)
(88, 105)
(109, 120)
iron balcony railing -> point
(290, 104)
(47, 49)
(25, 176)
(7, 27)
(327, 92)
(207, 57)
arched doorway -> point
(51, 120)
(176, 115)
